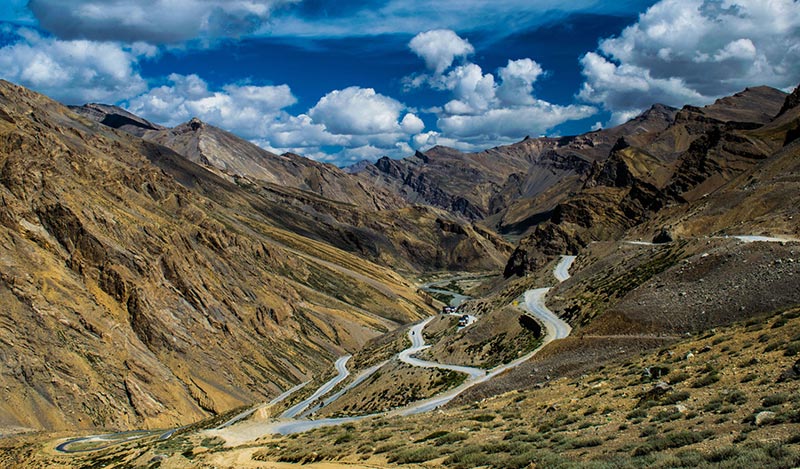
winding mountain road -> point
(237, 432)
(561, 272)
(418, 345)
(534, 303)
(341, 368)
(358, 380)
(252, 410)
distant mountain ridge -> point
(328, 204)
(497, 185)
(679, 168)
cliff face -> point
(138, 289)
(648, 180)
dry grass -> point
(610, 417)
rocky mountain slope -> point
(139, 289)
(324, 202)
(507, 186)
(215, 148)
(690, 166)
(152, 277)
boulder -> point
(764, 418)
(663, 236)
(791, 374)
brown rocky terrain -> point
(140, 290)
(725, 399)
(682, 353)
(690, 164)
(509, 187)
(325, 203)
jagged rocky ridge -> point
(507, 187)
(688, 164)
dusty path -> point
(533, 301)
(341, 368)
(561, 271)
(418, 345)
(358, 380)
(236, 432)
(252, 410)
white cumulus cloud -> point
(488, 109)
(439, 48)
(694, 51)
(359, 111)
(246, 109)
(359, 121)
(74, 72)
(506, 124)
(518, 78)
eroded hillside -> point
(141, 290)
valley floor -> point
(724, 397)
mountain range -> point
(153, 276)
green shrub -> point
(483, 418)
(637, 414)
(672, 440)
(736, 397)
(772, 347)
(345, 438)
(585, 442)
(451, 438)
(706, 380)
(719, 340)
(713, 405)
(751, 362)
(792, 349)
(780, 322)
(675, 397)
(649, 430)
(517, 461)
(749, 377)
(667, 415)
(380, 436)
(774, 399)
(386, 447)
(469, 457)
(433, 436)
(722, 454)
(415, 455)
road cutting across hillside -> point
(239, 432)
(341, 368)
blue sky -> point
(355, 80)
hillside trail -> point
(238, 430)
(533, 301)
